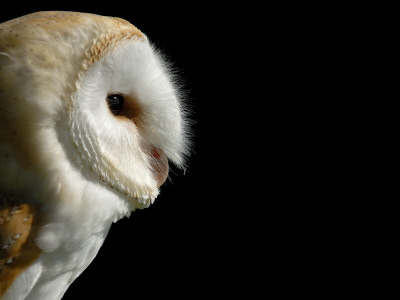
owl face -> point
(89, 92)
(134, 126)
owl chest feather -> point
(41, 256)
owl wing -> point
(18, 230)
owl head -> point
(89, 95)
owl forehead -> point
(97, 34)
(61, 21)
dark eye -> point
(115, 103)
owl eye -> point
(115, 103)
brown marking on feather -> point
(132, 111)
(18, 229)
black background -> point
(201, 237)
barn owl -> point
(90, 115)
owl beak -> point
(159, 164)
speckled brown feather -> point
(17, 248)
